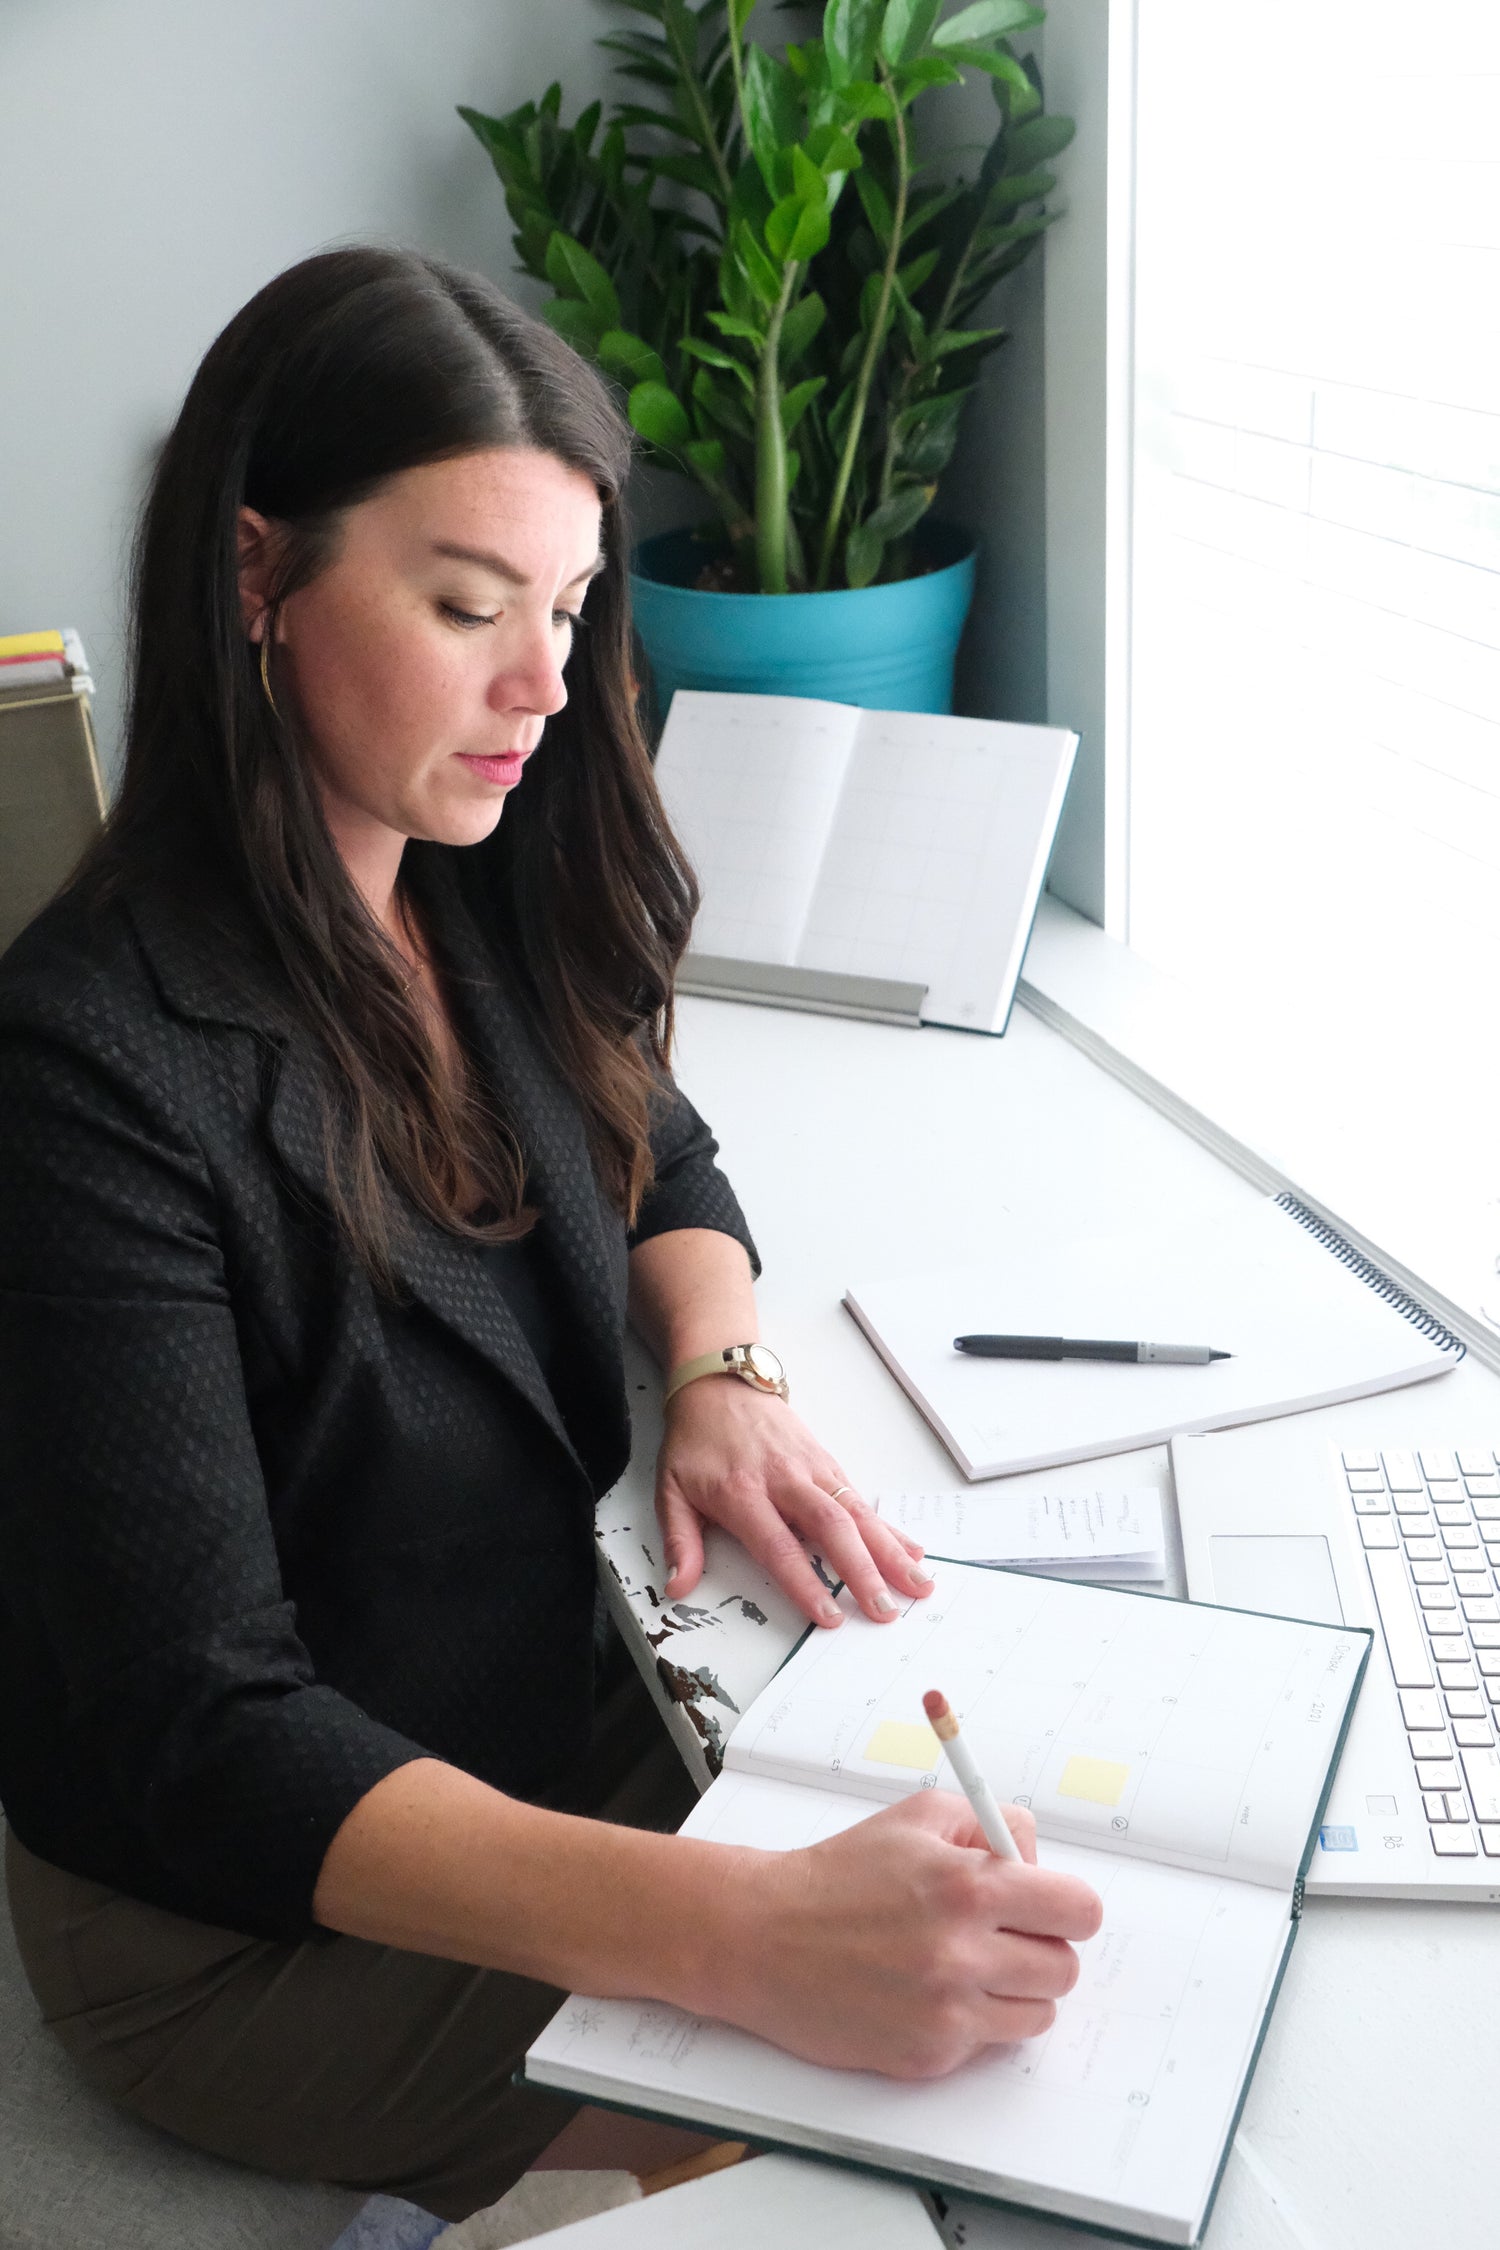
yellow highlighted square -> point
(899, 1742)
(1100, 1780)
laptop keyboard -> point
(1430, 1526)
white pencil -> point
(972, 1782)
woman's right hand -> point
(902, 1945)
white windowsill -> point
(1164, 1041)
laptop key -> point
(1456, 1676)
(1402, 1473)
(1490, 1838)
(1484, 1636)
(1472, 1459)
(1483, 1488)
(1450, 1648)
(1438, 1597)
(1434, 1573)
(1437, 1462)
(1372, 1503)
(1472, 1585)
(1360, 1461)
(1454, 1843)
(1473, 1734)
(1463, 1705)
(1485, 1611)
(1488, 1660)
(1377, 1531)
(1410, 1503)
(1423, 1550)
(1435, 1805)
(1411, 1667)
(1438, 1773)
(1459, 1535)
(1419, 1713)
(1362, 1482)
(1482, 1773)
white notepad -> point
(887, 844)
(1176, 1757)
(1111, 1535)
(1306, 1319)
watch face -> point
(763, 1364)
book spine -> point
(1399, 1299)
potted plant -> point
(753, 247)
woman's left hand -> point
(741, 1459)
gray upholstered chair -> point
(77, 2174)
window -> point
(1314, 670)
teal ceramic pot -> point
(888, 647)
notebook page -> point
(1118, 2113)
(751, 783)
(1084, 1532)
(1169, 1730)
(937, 856)
(1302, 1331)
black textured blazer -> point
(266, 1535)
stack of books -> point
(42, 664)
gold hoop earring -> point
(265, 671)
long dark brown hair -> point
(342, 372)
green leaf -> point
(959, 340)
(1019, 187)
(862, 552)
(575, 272)
(695, 347)
(907, 27)
(707, 456)
(988, 19)
(850, 30)
(796, 230)
(904, 509)
(809, 183)
(1004, 68)
(740, 12)
(757, 268)
(863, 100)
(728, 324)
(575, 322)
(912, 276)
(772, 111)
(877, 206)
(659, 415)
(915, 78)
(799, 327)
(797, 400)
(1037, 142)
(833, 150)
(629, 357)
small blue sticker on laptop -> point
(1338, 1839)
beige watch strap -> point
(730, 1361)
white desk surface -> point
(860, 1150)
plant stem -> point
(686, 66)
(770, 451)
(871, 351)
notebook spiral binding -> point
(1421, 1319)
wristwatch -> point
(755, 1364)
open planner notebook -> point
(1306, 1320)
(877, 844)
(1175, 1756)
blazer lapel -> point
(441, 1272)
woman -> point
(336, 1123)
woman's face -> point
(426, 658)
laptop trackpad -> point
(1285, 1575)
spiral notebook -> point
(1307, 1319)
(1175, 1756)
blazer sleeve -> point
(688, 1189)
(133, 1515)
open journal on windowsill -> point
(1176, 1756)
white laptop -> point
(1275, 1519)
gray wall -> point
(159, 160)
